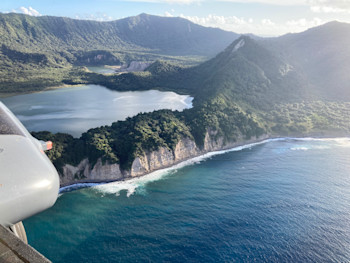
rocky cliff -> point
(150, 161)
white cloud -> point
(97, 17)
(264, 27)
(316, 6)
(168, 14)
(302, 24)
(27, 11)
(180, 1)
(330, 6)
(267, 22)
(169, 1)
(271, 2)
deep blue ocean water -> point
(280, 201)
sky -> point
(260, 17)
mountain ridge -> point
(33, 49)
(321, 53)
(249, 90)
(128, 33)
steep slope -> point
(173, 35)
(39, 52)
(323, 54)
(27, 33)
(243, 94)
(144, 32)
(249, 73)
(245, 72)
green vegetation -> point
(41, 52)
(66, 149)
(317, 117)
(250, 89)
(123, 141)
(239, 94)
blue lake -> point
(77, 109)
(280, 201)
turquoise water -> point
(75, 110)
(280, 201)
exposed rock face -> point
(151, 161)
(134, 66)
(96, 58)
(84, 173)
(211, 144)
(185, 149)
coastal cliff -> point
(151, 161)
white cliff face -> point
(105, 171)
(151, 161)
(164, 157)
(211, 144)
(83, 172)
(185, 149)
(72, 173)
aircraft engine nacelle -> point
(29, 183)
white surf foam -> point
(72, 187)
(342, 142)
(137, 185)
(336, 139)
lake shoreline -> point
(63, 86)
(76, 109)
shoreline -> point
(231, 147)
(63, 86)
(238, 147)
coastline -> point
(237, 147)
(193, 159)
(233, 147)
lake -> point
(75, 110)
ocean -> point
(284, 200)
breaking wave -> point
(137, 185)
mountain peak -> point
(242, 42)
(144, 15)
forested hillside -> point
(38, 52)
(164, 35)
(275, 86)
(244, 92)
(321, 54)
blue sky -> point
(261, 17)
